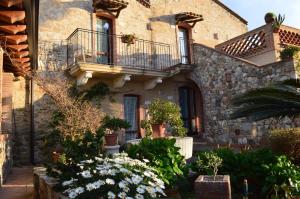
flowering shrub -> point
(117, 177)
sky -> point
(254, 10)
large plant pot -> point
(186, 146)
(208, 188)
(111, 139)
(173, 193)
(159, 130)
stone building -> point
(191, 52)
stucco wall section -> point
(210, 74)
(58, 19)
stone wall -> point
(220, 77)
(58, 19)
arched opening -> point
(191, 104)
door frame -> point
(188, 29)
(112, 35)
(138, 111)
(197, 106)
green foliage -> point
(278, 21)
(146, 124)
(166, 112)
(287, 142)
(209, 162)
(289, 52)
(283, 179)
(89, 146)
(277, 100)
(114, 124)
(99, 90)
(163, 155)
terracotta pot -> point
(158, 130)
(55, 156)
(173, 193)
(111, 139)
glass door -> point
(103, 41)
(183, 45)
(188, 109)
(131, 114)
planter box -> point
(186, 146)
(208, 188)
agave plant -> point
(275, 101)
(278, 22)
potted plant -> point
(270, 17)
(128, 38)
(277, 23)
(213, 185)
(164, 113)
(289, 52)
(113, 127)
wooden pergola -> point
(114, 7)
(13, 37)
(188, 17)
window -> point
(104, 31)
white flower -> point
(129, 180)
(79, 190)
(136, 179)
(123, 170)
(86, 174)
(145, 160)
(122, 195)
(90, 161)
(159, 190)
(110, 181)
(140, 190)
(147, 173)
(128, 197)
(126, 189)
(123, 184)
(139, 196)
(69, 182)
(111, 195)
(72, 194)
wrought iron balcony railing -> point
(97, 47)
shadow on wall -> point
(169, 19)
(55, 9)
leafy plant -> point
(166, 112)
(278, 22)
(99, 90)
(146, 124)
(289, 52)
(114, 124)
(128, 39)
(283, 180)
(287, 142)
(210, 162)
(278, 100)
(88, 146)
(163, 155)
(115, 177)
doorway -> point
(131, 115)
(104, 41)
(191, 109)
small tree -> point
(210, 162)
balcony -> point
(92, 53)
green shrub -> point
(283, 179)
(289, 52)
(89, 146)
(162, 155)
(166, 112)
(210, 162)
(114, 124)
(287, 142)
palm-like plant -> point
(275, 101)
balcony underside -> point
(119, 74)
